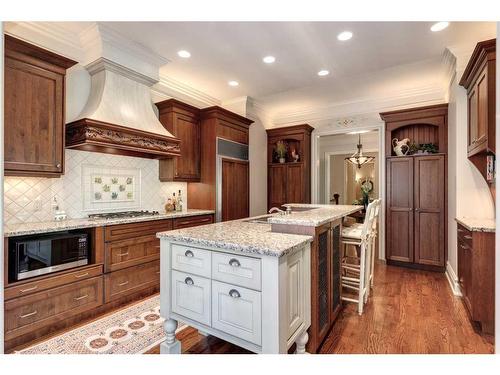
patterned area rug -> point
(132, 330)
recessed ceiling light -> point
(184, 54)
(233, 83)
(439, 26)
(344, 35)
(269, 59)
(323, 72)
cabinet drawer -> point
(191, 260)
(464, 235)
(237, 311)
(191, 296)
(52, 281)
(26, 314)
(238, 270)
(133, 230)
(192, 221)
(130, 280)
(127, 253)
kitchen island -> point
(248, 281)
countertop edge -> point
(287, 220)
(471, 224)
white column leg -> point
(301, 343)
(171, 345)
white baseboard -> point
(453, 280)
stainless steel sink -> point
(258, 220)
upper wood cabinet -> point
(479, 81)
(182, 121)
(289, 182)
(34, 91)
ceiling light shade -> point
(439, 26)
(269, 59)
(184, 54)
(233, 83)
(344, 35)
(323, 72)
(358, 159)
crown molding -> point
(420, 96)
(103, 64)
(168, 88)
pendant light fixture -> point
(358, 158)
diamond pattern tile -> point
(20, 193)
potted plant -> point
(429, 148)
(281, 149)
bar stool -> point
(355, 275)
(374, 239)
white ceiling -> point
(396, 52)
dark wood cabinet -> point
(476, 275)
(289, 182)
(416, 206)
(219, 123)
(479, 81)
(182, 121)
(34, 92)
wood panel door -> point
(187, 167)
(400, 228)
(276, 185)
(34, 120)
(429, 207)
(294, 184)
(235, 189)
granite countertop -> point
(240, 235)
(318, 214)
(57, 226)
(477, 225)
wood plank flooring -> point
(409, 311)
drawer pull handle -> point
(81, 297)
(81, 275)
(463, 247)
(234, 262)
(468, 237)
(189, 281)
(124, 283)
(123, 254)
(29, 289)
(234, 293)
(189, 254)
(28, 315)
(460, 230)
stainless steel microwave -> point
(31, 256)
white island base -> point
(256, 301)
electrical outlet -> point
(37, 204)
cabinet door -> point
(399, 237)
(429, 210)
(187, 167)
(235, 189)
(472, 119)
(465, 272)
(335, 273)
(191, 296)
(34, 129)
(276, 185)
(295, 190)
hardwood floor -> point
(409, 311)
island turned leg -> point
(171, 345)
(301, 343)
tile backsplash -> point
(29, 199)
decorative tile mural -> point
(29, 199)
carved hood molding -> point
(119, 117)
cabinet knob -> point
(189, 281)
(189, 254)
(58, 165)
(234, 293)
(234, 262)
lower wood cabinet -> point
(192, 221)
(25, 314)
(131, 252)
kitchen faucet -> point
(281, 212)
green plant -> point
(413, 149)
(281, 149)
(431, 148)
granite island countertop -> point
(477, 225)
(316, 215)
(59, 226)
(240, 235)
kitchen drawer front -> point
(237, 311)
(133, 230)
(238, 270)
(191, 296)
(130, 280)
(52, 281)
(192, 221)
(26, 314)
(127, 253)
(464, 235)
(191, 260)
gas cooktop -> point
(123, 214)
